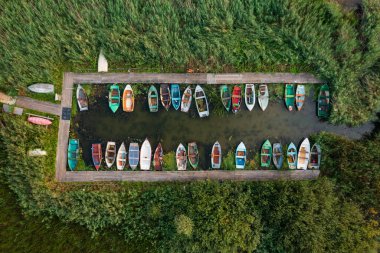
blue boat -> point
(73, 153)
(176, 96)
(278, 156)
(240, 156)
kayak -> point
(186, 99)
(315, 157)
(128, 99)
(291, 155)
(145, 155)
(236, 99)
(121, 158)
(324, 102)
(266, 154)
(278, 156)
(82, 98)
(216, 156)
(165, 96)
(289, 96)
(303, 155)
(263, 96)
(73, 153)
(201, 102)
(153, 99)
(240, 156)
(193, 154)
(300, 96)
(114, 98)
(250, 97)
(181, 157)
(225, 95)
(97, 156)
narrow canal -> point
(277, 124)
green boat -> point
(324, 102)
(114, 97)
(289, 96)
(73, 153)
(153, 99)
(266, 154)
(225, 95)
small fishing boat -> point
(110, 153)
(278, 156)
(289, 96)
(240, 156)
(145, 155)
(176, 96)
(263, 96)
(121, 158)
(133, 155)
(41, 88)
(236, 99)
(39, 121)
(300, 96)
(201, 102)
(114, 98)
(181, 157)
(266, 154)
(186, 99)
(315, 157)
(225, 95)
(97, 156)
(216, 156)
(291, 155)
(324, 102)
(128, 99)
(158, 158)
(250, 97)
(82, 98)
(303, 155)
(193, 154)
(165, 96)
(73, 153)
(153, 99)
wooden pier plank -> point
(41, 106)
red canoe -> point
(39, 121)
(236, 99)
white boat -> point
(263, 96)
(250, 96)
(240, 156)
(201, 102)
(82, 98)
(186, 99)
(315, 157)
(181, 157)
(37, 152)
(110, 153)
(216, 156)
(102, 62)
(300, 96)
(121, 158)
(41, 88)
(303, 155)
(145, 155)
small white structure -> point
(102, 62)
(37, 152)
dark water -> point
(99, 124)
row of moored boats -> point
(305, 158)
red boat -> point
(97, 155)
(158, 158)
(236, 99)
(39, 121)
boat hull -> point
(216, 156)
(289, 97)
(249, 96)
(145, 155)
(181, 157)
(263, 96)
(240, 156)
(186, 99)
(303, 155)
(266, 154)
(201, 102)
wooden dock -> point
(41, 106)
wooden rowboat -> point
(39, 121)
(133, 155)
(158, 158)
(266, 154)
(300, 96)
(236, 99)
(82, 98)
(176, 96)
(128, 99)
(193, 154)
(225, 95)
(153, 99)
(249, 96)
(289, 96)
(97, 156)
(216, 156)
(315, 157)
(240, 156)
(73, 153)
(181, 157)
(263, 96)
(278, 156)
(201, 102)
(145, 155)
(165, 96)
(291, 155)
(324, 102)
(121, 158)
(41, 88)
(186, 99)
(114, 98)
(110, 153)
(303, 155)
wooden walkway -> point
(41, 106)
